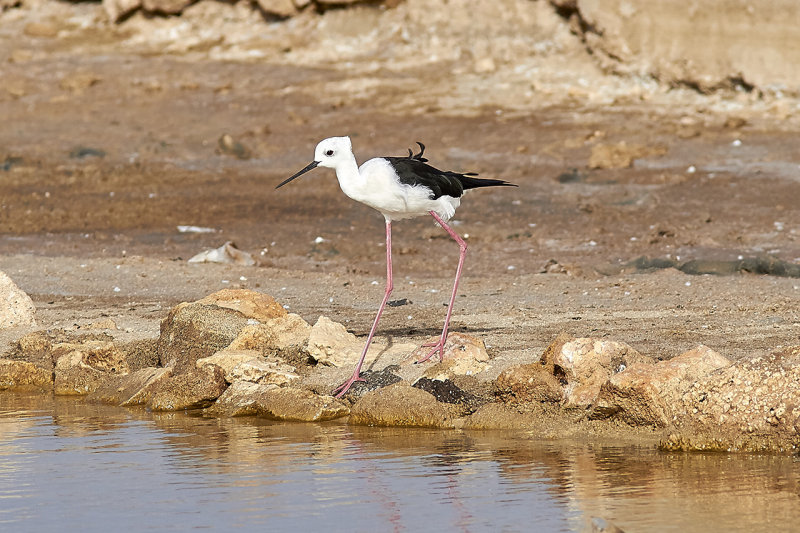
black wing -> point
(413, 170)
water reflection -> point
(65, 464)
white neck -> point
(350, 180)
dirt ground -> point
(106, 149)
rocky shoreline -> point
(238, 352)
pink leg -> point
(344, 387)
(439, 346)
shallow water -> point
(68, 465)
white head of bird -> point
(334, 152)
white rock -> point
(281, 8)
(330, 344)
(264, 371)
(16, 307)
(464, 355)
(228, 359)
(117, 9)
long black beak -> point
(311, 166)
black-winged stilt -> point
(398, 187)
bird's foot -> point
(437, 346)
(342, 389)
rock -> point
(44, 348)
(464, 355)
(650, 394)
(36, 347)
(371, 380)
(276, 403)
(620, 155)
(279, 8)
(242, 398)
(282, 334)
(250, 365)
(119, 9)
(227, 144)
(264, 371)
(165, 7)
(301, 405)
(135, 388)
(8, 4)
(753, 404)
(329, 343)
(715, 46)
(402, 405)
(22, 375)
(228, 253)
(282, 337)
(501, 416)
(35, 343)
(40, 29)
(80, 368)
(227, 360)
(195, 389)
(446, 391)
(548, 356)
(585, 364)
(196, 330)
(141, 354)
(251, 304)
(16, 307)
(235, 319)
(528, 383)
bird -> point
(399, 188)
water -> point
(68, 465)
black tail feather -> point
(418, 157)
(469, 182)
